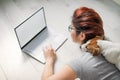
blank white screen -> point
(27, 30)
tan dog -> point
(110, 50)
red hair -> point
(88, 21)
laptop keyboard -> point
(37, 50)
(55, 41)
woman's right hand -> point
(49, 54)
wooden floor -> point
(15, 65)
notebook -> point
(33, 34)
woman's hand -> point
(49, 54)
(48, 73)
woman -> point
(86, 24)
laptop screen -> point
(30, 27)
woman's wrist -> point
(52, 61)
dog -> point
(110, 50)
(91, 46)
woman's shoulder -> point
(86, 62)
(87, 56)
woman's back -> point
(90, 67)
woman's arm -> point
(66, 73)
(48, 70)
(50, 57)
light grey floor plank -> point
(2, 74)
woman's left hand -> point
(49, 54)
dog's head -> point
(92, 45)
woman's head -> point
(87, 24)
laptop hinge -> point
(34, 37)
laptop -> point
(33, 34)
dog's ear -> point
(92, 47)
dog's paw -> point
(84, 47)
